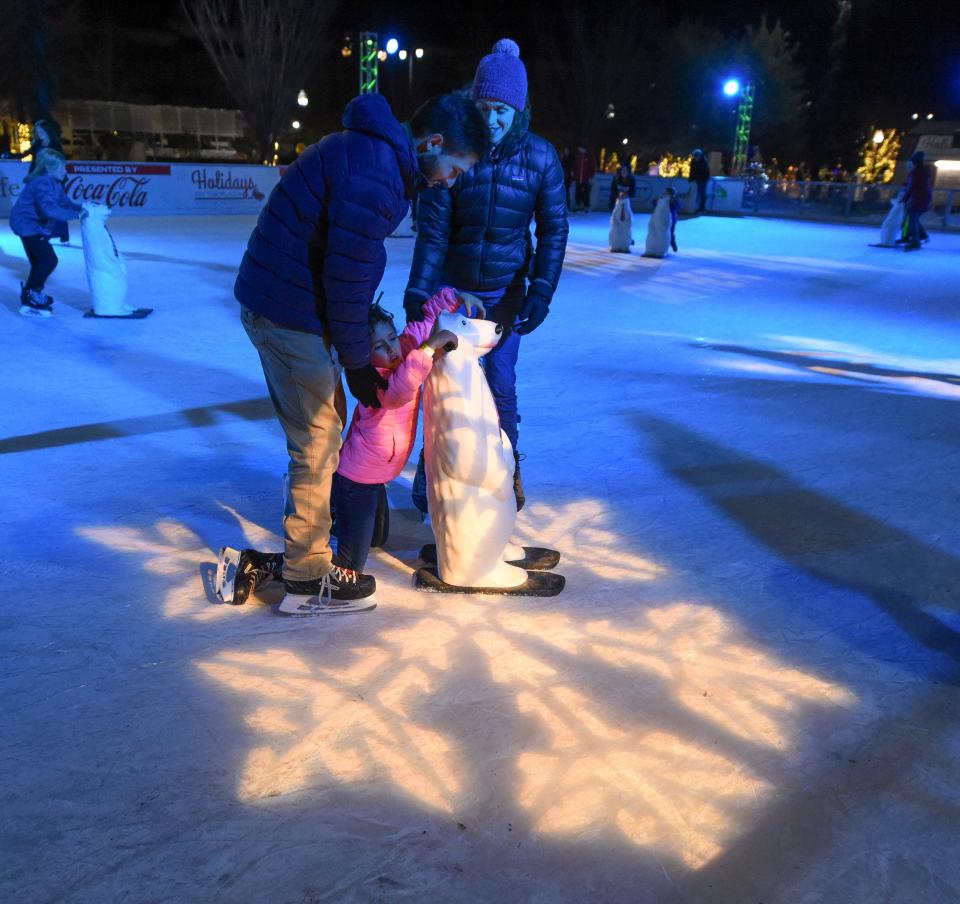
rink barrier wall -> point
(724, 195)
(853, 202)
(145, 189)
(158, 189)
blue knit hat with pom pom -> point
(502, 76)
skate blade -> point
(535, 558)
(300, 606)
(226, 574)
(538, 583)
(39, 313)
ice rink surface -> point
(748, 454)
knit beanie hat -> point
(502, 76)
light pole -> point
(741, 138)
(368, 62)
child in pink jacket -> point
(380, 440)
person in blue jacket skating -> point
(476, 236)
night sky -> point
(903, 56)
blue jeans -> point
(913, 227)
(355, 511)
(500, 366)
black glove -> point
(364, 383)
(532, 314)
(413, 308)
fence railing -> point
(857, 202)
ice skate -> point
(34, 303)
(339, 592)
(240, 572)
(518, 493)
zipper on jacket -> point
(495, 159)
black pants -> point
(355, 514)
(583, 196)
(43, 260)
(701, 195)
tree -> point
(264, 51)
(596, 59)
(780, 115)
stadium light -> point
(418, 53)
(402, 55)
(295, 123)
(302, 98)
(392, 46)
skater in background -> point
(566, 164)
(624, 184)
(700, 176)
(674, 202)
(917, 197)
(477, 235)
(305, 285)
(583, 173)
(39, 213)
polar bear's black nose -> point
(499, 329)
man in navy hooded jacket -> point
(312, 265)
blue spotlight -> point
(393, 45)
(731, 87)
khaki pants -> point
(302, 378)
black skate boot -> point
(240, 572)
(418, 492)
(338, 592)
(518, 481)
(34, 303)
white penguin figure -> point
(106, 269)
(620, 237)
(469, 467)
(658, 230)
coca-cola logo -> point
(124, 191)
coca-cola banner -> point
(154, 188)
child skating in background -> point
(674, 215)
(375, 451)
(39, 213)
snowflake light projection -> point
(661, 726)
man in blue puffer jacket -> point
(312, 265)
(476, 236)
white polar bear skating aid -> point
(106, 269)
(658, 230)
(469, 465)
(620, 237)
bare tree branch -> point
(264, 51)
